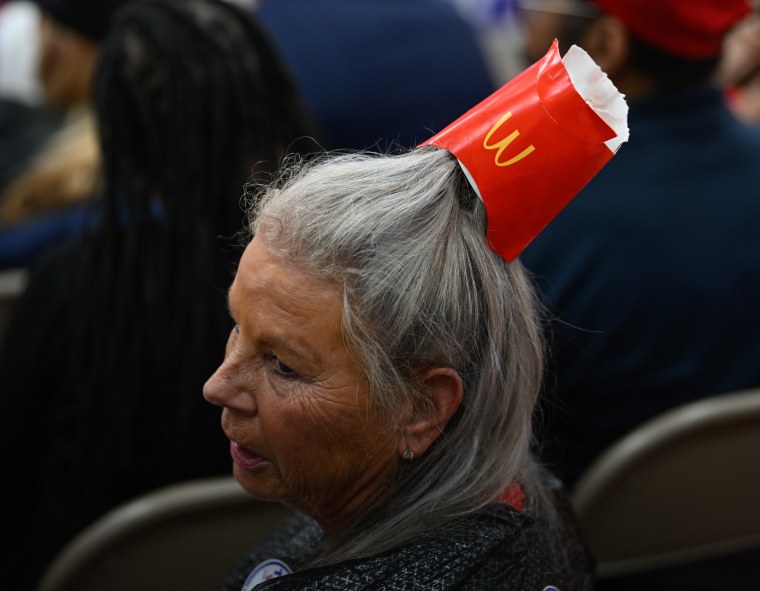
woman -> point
(118, 330)
(380, 380)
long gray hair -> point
(404, 237)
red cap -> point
(687, 28)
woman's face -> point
(67, 62)
(295, 400)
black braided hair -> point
(192, 101)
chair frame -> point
(660, 475)
(107, 549)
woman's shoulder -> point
(282, 552)
(495, 547)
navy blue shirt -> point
(377, 73)
(23, 242)
(653, 275)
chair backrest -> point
(186, 536)
(681, 488)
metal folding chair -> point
(680, 489)
(186, 536)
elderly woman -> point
(380, 380)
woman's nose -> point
(212, 389)
(226, 388)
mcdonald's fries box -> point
(531, 146)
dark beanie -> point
(89, 18)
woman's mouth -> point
(245, 458)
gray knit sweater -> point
(496, 548)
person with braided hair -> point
(109, 347)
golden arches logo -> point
(500, 146)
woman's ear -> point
(607, 41)
(442, 390)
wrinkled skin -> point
(294, 398)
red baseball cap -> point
(687, 28)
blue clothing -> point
(377, 73)
(653, 273)
(23, 242)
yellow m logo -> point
(500, 146)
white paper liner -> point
(599, 93)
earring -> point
(408, 454)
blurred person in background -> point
(19, 24)
(654, 298)
(499, 34)
(739, 69)
(24, 121)
(109, 347)
(654, 295)
(43, 202)
(380, 73)
(651, 274)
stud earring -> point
(408, 454)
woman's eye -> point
(280, 368)
(233, 337)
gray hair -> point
(404, 237)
